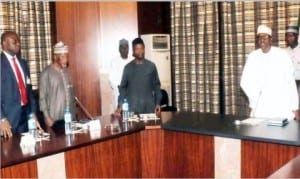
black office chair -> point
(165, 102)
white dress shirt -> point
(10, 59)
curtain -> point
(203, 49)
(31, 20)
(240, 24)
(194, 32)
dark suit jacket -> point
(10, 96)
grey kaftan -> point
(56, 93)
(141, 86)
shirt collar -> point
(8, 56)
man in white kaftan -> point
(293, 48)
(116, 68)
(268, 80)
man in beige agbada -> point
(56, 89)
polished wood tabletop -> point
(12, 153)
(190, 122)
(225, 126)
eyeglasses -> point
(263, 37)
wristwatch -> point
(2, 120)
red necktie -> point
(21, 83)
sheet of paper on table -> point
(40, 136)
(253, 121)
(149, 116)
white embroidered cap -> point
(263, 29)
(292, 28)
(60, 48)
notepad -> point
(278, 122)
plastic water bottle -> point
(125, 109)
(68, 121)
(32, 129)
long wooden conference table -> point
(181, 144)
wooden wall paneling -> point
(126, 156)
(262, 159)
(152, 152)
(81, 162)
(78, 26)
(188, 155)
(103, 159)
(90, 161)
(23, 170)
(118, 157)
(87, 36)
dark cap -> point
(137, 41)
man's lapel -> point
(5, 66)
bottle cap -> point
(30, 115)
(67, 109)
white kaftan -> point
(115, 75)
(295, 56)
(268, 81)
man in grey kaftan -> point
(56, 89)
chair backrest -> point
(165, 102)
(165, 97)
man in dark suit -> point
(17, 100)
